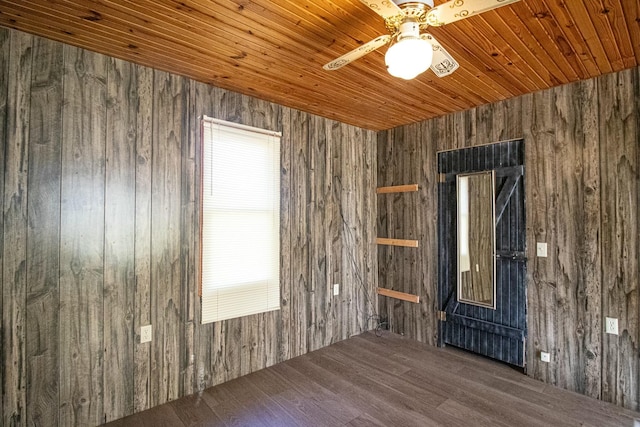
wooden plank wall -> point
(582, 165)
(100, 236)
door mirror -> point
(476, 239)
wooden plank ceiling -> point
(275, 49)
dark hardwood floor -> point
(384, 381)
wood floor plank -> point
(527, 401)
(487, 401)
(364, 420)
(193, 410)
(371, 357)
(246, 395)
(231, 412)
(237, 402)
(305, 410)
(386, 381)
(344, 413)
(581, 407)
(372, 404)
(468, 415)
(451, 361)
(160, 416)
(246, 392)
(404, 397)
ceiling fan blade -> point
(456, 10)
(443, 63)
(384, 8)
(357, 53)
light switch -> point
(541, 250)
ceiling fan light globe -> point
(409, 57)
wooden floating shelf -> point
(399, 295)
(397, 242)
(397, 189)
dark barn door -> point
(497, 333)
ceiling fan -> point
(412, 49)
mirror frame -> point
(491, 305)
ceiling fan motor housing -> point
(415, 11)
(401, 2)
(408, 29)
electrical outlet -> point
(145, 334)
(611, 325)
(545, 357)
(541, 250)
(336, 289)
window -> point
(240, 220)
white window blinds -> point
(240, 220)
